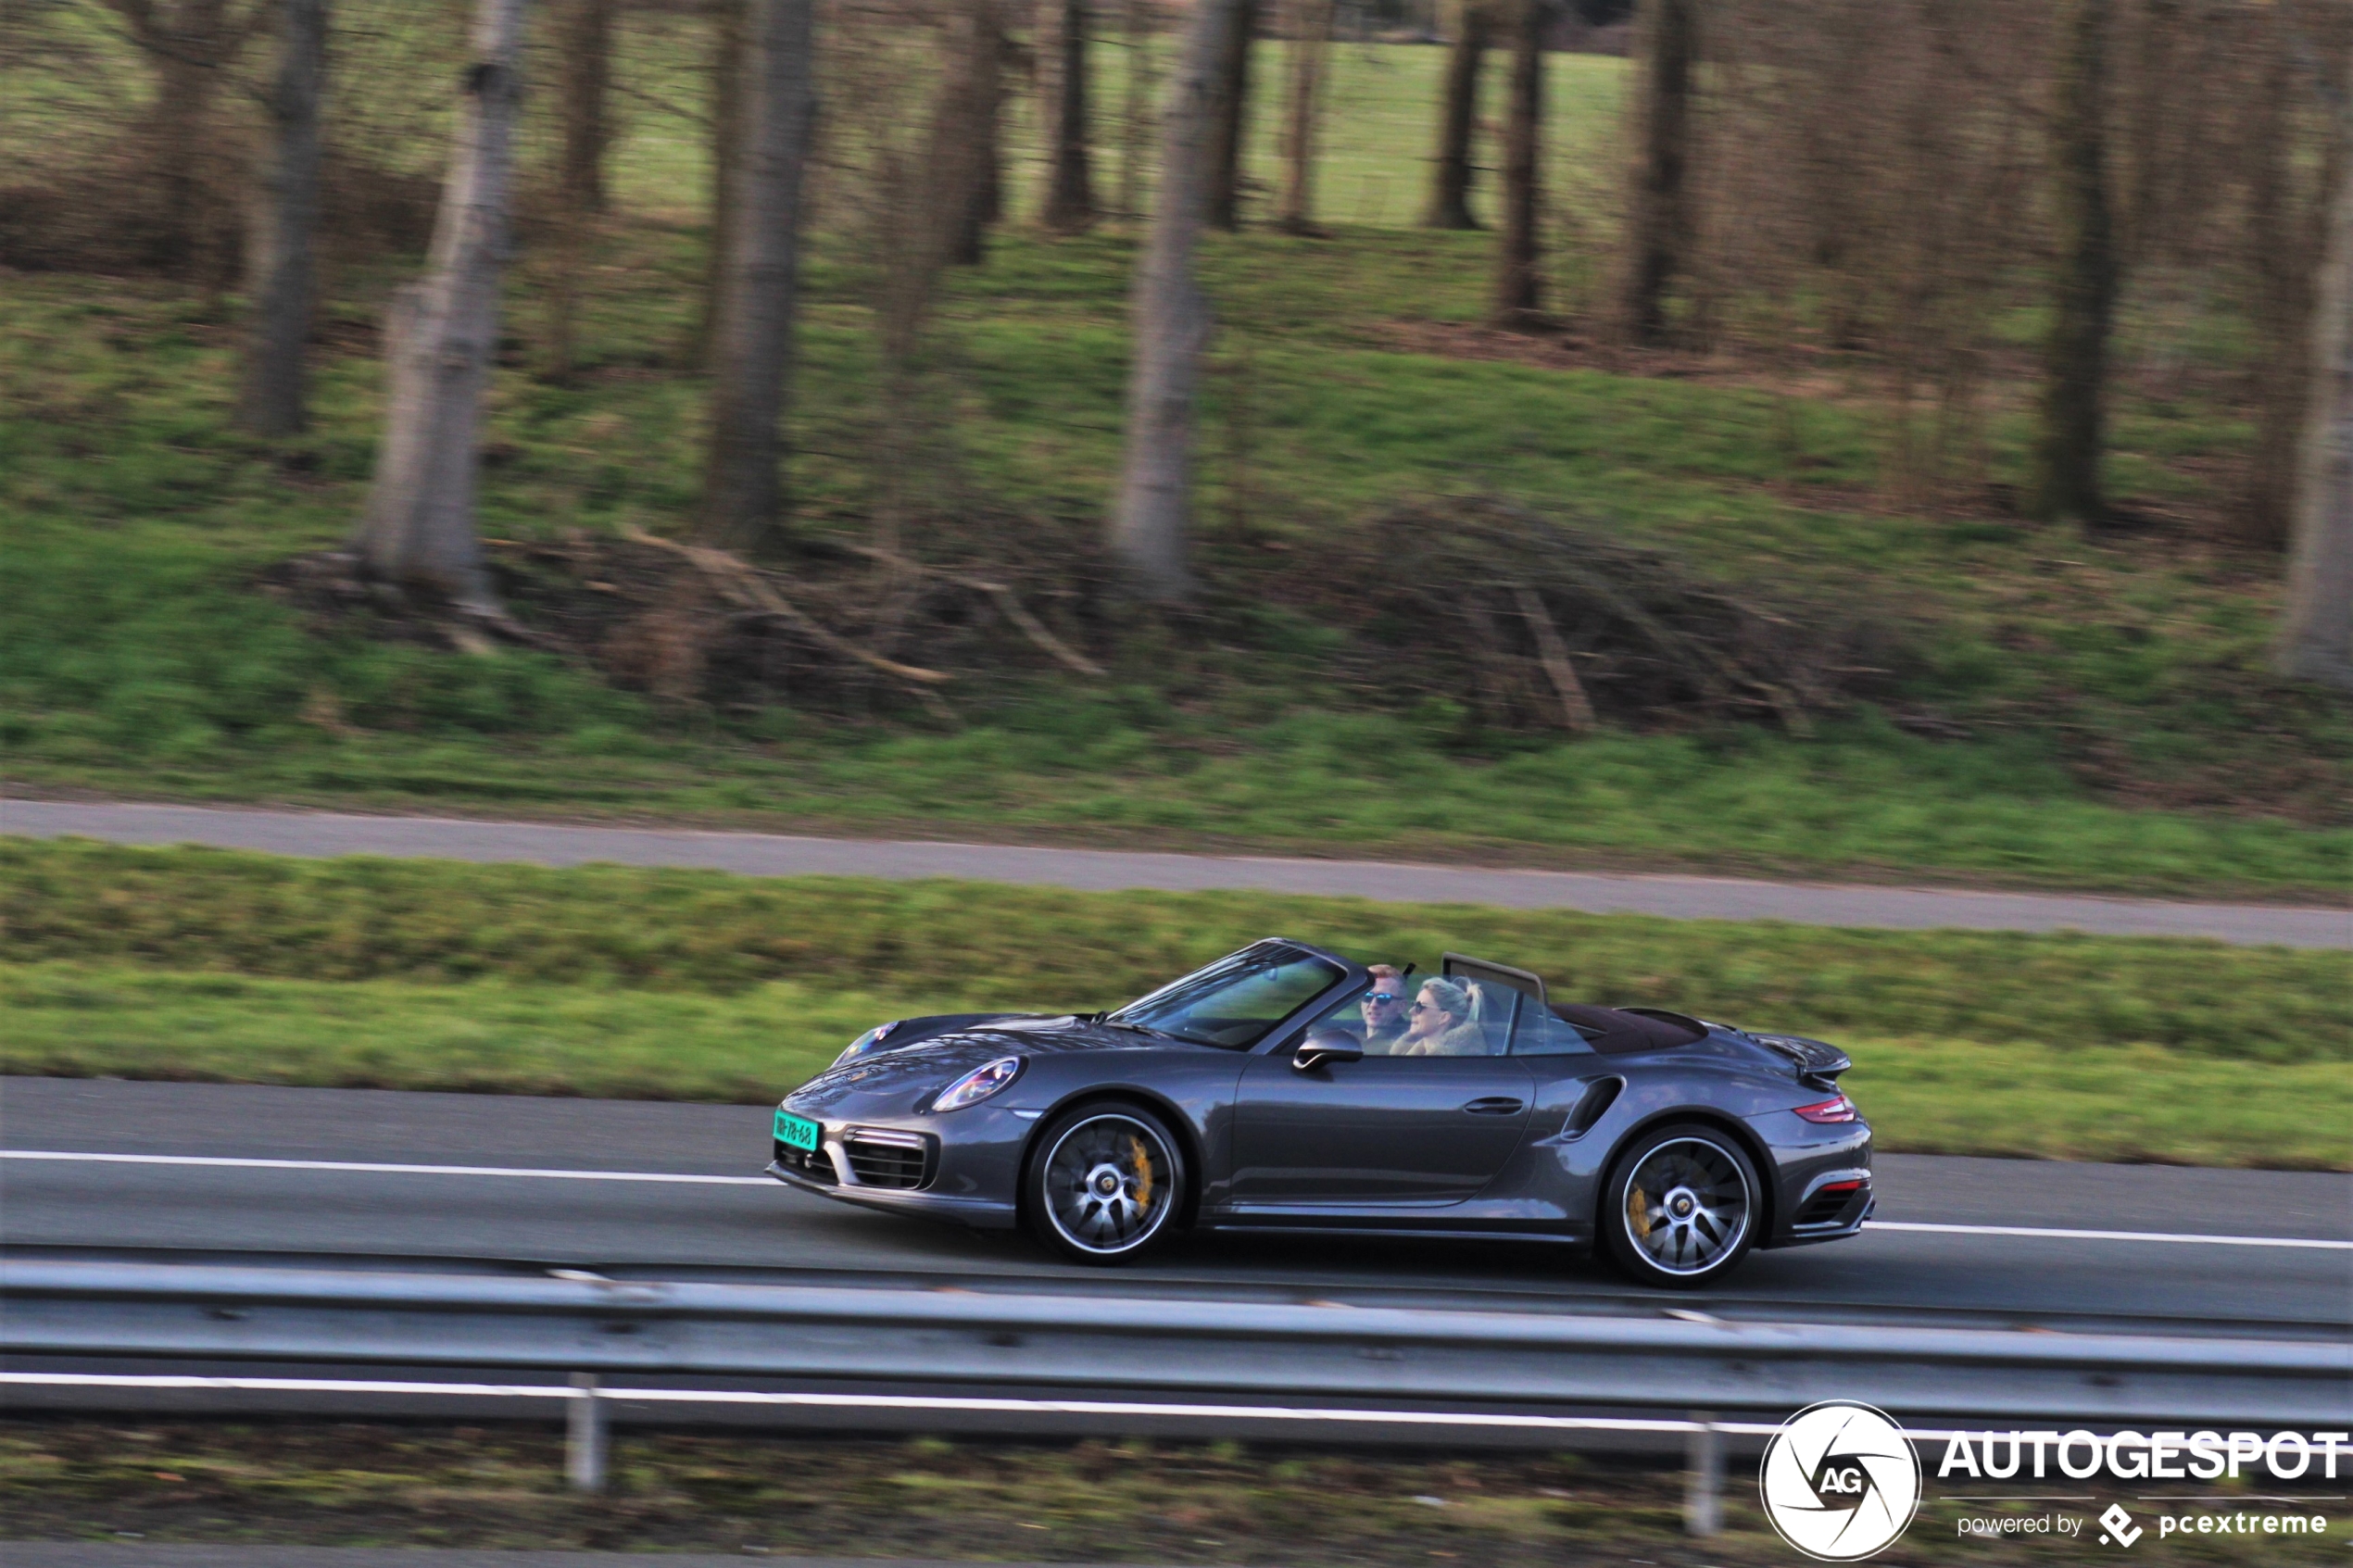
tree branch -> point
(744, 582)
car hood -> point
(928, 1065)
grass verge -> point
(606, 981)
(1924, 1095)
(502, 1487)
(985, 944)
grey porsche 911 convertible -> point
(1285, 1088)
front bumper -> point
(964, 1167)
(981, 1214)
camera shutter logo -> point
(1840, 1481)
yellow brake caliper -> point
(1143, 1175)
(1638, 1209)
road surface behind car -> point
(1681, 898)
(663, 1190)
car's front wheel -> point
(1682, 1206)
(1106, 1182)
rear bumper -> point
(1831, 1206)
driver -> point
(1384, 1011)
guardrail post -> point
(586, 1435)
(1704, 1476)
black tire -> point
(1105, 1183)
(1682, 1206)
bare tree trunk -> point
(178, 133)
(1229, 131)
(2316, 631)
(727, 117)
(272, 404)
(1070, 196)
(586, 54)
(565, 253)
(1310, 35)
(2282, 265)
(1660, 227)
(189, 43)
(1519, 294)
(752, 345)
(585, 62)
(982, 62)
(1452, 171)
(944, 195)
(418, 528)
(1151, 519)
(2067, 448)
(1135, 118)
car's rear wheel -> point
(1106, 1183)
(1682, 1206)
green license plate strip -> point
(798, 1131)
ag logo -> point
(1840, 1481)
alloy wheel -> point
(1686, 1206)
(1110, 1183)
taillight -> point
(1839, 1109)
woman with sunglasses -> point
(1439, 1023)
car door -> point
(1386, 1131)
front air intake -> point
(882, 1158)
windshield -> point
(1235, 1001)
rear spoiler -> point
(1814, 1060)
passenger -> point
(1439, 1023)
(1384, 1011)
(1492, 1011)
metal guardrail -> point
(1181, 1350)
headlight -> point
(868, 1041)
(978, 1085)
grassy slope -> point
(130, 662)
(986, 1499)
(1924, 1095)
(662, 984)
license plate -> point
(798, 1131)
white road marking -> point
(371, 1168)
(2112, 1236)
(897, 1402)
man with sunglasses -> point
(1384, 1011)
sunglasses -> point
(1384, 997)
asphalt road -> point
(689, 1204)
(1681, 898)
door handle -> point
(1496, 1105)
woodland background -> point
(1870, 439)
(1814, 435)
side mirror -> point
(1319, 1050)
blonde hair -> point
(1453, 996)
